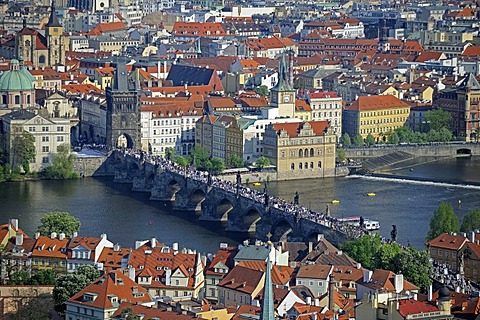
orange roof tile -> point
(376, 102)
(448, 241)
(293, 128)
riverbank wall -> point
(94, 165)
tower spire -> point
(53, 19)
(283, 83)
(267, 312)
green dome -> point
(16, 79)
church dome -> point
(17, 78)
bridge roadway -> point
(449, 149)
(212, 199)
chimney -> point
(367, 275)
(14, 224)
(103, 236)
(153, 242)
(310, 246)
(309, 300)
(472, 236)
(429, 293)
(359, 265)
(175, 246)
(75, 234)
(37, 235)
(61, 236)
(113, 275)
(53, 235)
(116, 247)
(331, 292)
(317, 302)
(131, 273)
(168, 274)
(19, 239)
(398, 283)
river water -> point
(126, 216)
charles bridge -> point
(239, 211)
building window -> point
(319, 164)
(45, 149)
(45, 139)
(60, 139)
(300, 166)
(311, 165)
(45, 129)
(292, 166)
(59, 128)
(300, 154)
(312, 153)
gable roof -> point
(384, 280)
(293, 128)
(448, 241)
(242, 279)
(410, 307)
(108, 286)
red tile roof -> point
(112, 284)
(198, 29)
(448, 241)
(292, 129)
(376, 102)
(51, 248)
(302, 105)
(323, 95)
(411, 307)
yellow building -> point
(233, 140)
(49, 253)
(303, 111)
(104, 77)
(375, 115)
(301, 150)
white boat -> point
(369, 225)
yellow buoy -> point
(371, 194)
(257, 184)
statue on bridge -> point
(265, 194)
(296, 198)
(393, 233)
(239, 178)
(209, 179)
(362, 222)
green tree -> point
(180, 160)
(23, 149)
(393, 138)
(216, 165)
(43, 277)
(341, 155)
(68, 285)
(262, 162)
(358, 140)
(262, 90)
(345, 140)
(443, 220)
(18, 278)
(62, 165)
(471, 221)
(370, 140)
(58, 222)
(169, 153)
(415, 266)
(200, 158)
(438, 119)
(364, 250)
(236, 161)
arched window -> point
(292, 166)
(300, 154)
(17, 99)
(312, 152)
(4, 99)
(28, 99)
(41, 59)
(306, 165)
(319, 164)
(27, 43)
(305, 152)
(300, 166)
(311, 165)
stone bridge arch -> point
(150, 180)
(249, 219)
(281, 229)
(196, 198)
(464, 151)
(223, 208)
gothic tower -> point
(282, 95)
(123, 110)
(55, 39)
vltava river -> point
(105, 207)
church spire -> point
(53, 19)
(283, 83)
(267, 312)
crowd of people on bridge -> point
(300, 212)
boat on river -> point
(257, 184)
(335, 201)
(371, 194)
(369, 225)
